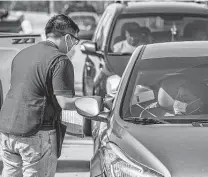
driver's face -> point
(132, 39)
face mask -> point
(182, 108)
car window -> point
(85, 22)
(167, 87)
(145, 29)
(101, 33)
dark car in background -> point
(87, 22)
(14, 22)
(156, 123)
(10, 23)
(160, 21)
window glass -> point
(85, 22)
(133, 30)
(102, 31)
(168, 87)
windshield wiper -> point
(145, 121)
(121, 54)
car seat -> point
(162, 36)
(190, 30)
(146, 37)
(180, 95)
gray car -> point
(159, 22)
(156, 123)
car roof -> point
(82, 13)
(162, 7)
(176, 49)
(93, 14)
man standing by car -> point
(42, 83)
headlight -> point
(112, 84)
(118, 165)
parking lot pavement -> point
(75, 158)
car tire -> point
(87, 127)
(87, 91)
(100, 90)
(87, 84)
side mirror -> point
(91, 107)
(88, 47)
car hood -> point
(177, 150)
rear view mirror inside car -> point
(172, 17)
(143, 94)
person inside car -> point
(123, 32)
(179, 95)
(132, 34)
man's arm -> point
(63, 84)
(66, 102)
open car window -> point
(158, 28)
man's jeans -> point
(34, 156)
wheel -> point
(87, 127)
(100, 90)
(88, 86)
(87, 91)
(87, 83)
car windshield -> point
(168, 88)
(85, 22)
(133, 30)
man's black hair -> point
(133, 28)
(59, 24)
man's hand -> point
(66, 102)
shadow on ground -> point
(65, 166)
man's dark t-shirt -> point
(26, 103)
